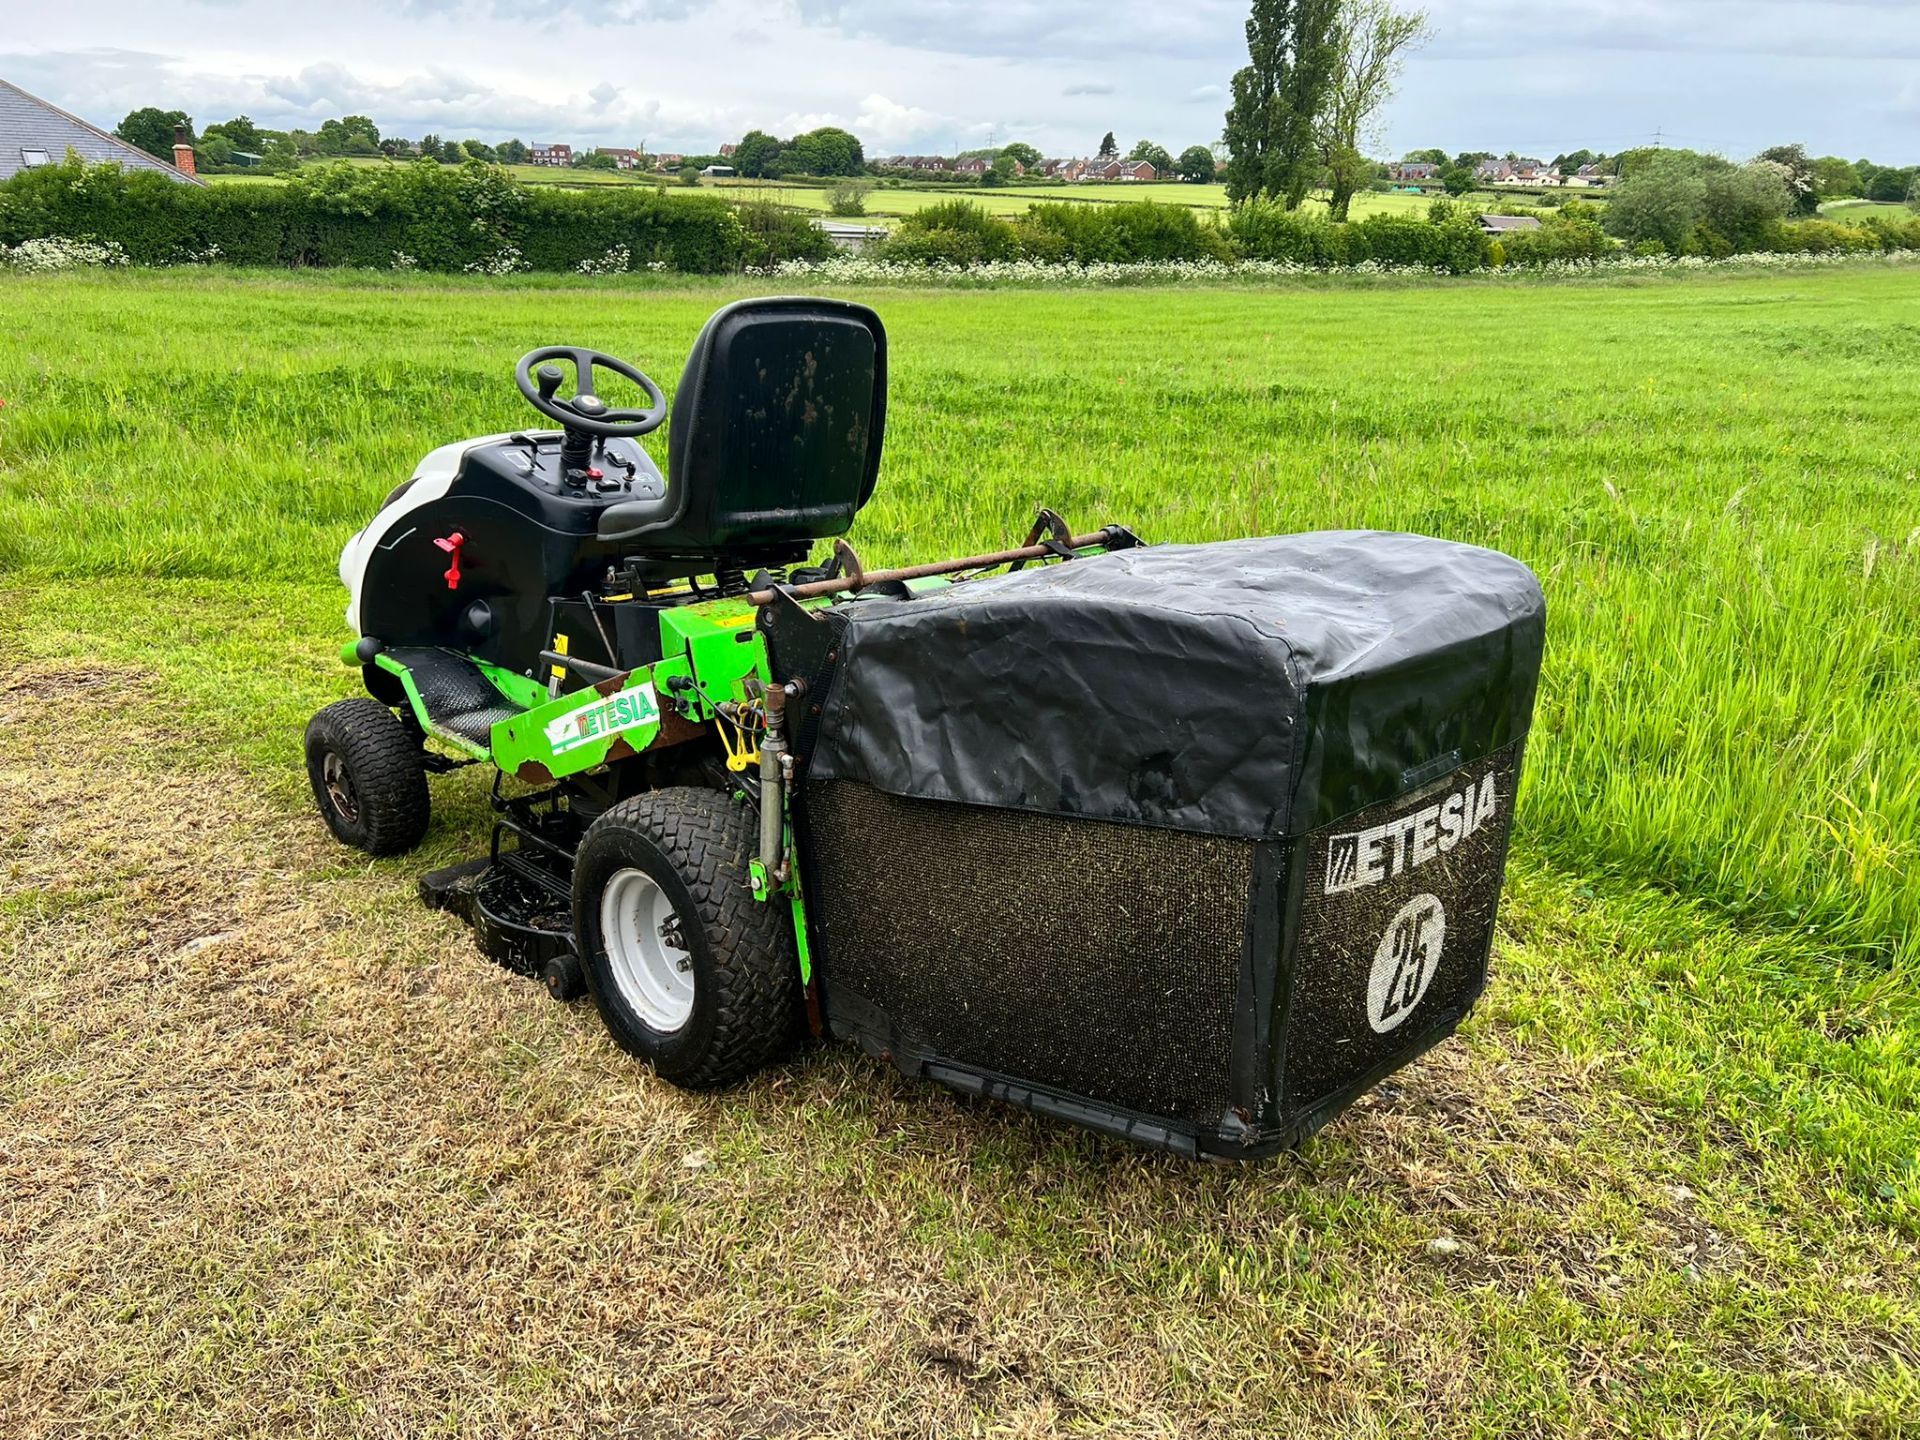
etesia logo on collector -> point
(1367, 857)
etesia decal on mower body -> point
(1368, 857)
(627, 710)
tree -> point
(1195, 164)
(1689, 203)
(1457, 180)
(1023, 152)
(1913, 194)
(241, 132)
(1004, 171)
(512, 152)
(451, 153)
(430, 145)
(1154, 155)
(1890, 184)
(1425, 157)
(826, 151)
(479, 150)
(1109, 147)
(152, 130)
(1796, 170)
(757, 155)
(214, 150)
(689, 174)
(1279, 97)
(1836, 179)
(594, 160)
(1372, 36)
(849, 197)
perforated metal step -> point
(458, 697)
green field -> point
(1858, 210)
(283, 1155)
(888, 203)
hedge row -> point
(957, 232)
(435, 217)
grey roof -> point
(30, 123)
(1499, 224)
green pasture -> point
(1676, 1146)
(1856, 211)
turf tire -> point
(695, 844)
(374, 795)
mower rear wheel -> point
(369, 777)
(688, 970)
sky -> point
(1542, 77)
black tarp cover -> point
(1254, 688)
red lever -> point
(452, 546)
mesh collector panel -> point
(1098, 959)
(1395, 925)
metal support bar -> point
(1113, 537)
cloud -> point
(1088, 87)
(106, 84)
(586, 12)
(1022, 29)
(1802, 29)
(883, 125)
(1202, 93)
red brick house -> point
(559, 155)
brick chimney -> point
(182, 151)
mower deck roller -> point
(1186, 843)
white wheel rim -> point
(650, 962)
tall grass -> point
(1715, 480)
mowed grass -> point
(281, 1153)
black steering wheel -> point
(586, 410)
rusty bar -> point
(921, 572)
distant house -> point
(1590, 175)
(668, 161)
(916, 162)
(1496, 172)
(557, 155)
(34, 133)
(623, 159)
(973, 165)
(726, 151)
(1414, 172)
(1507, 224)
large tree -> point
(1195, 163)
(757, 155)
(1279, 97)
(1023, 152)
(1372, 38)
(1109, 147)
(1797, 171)
(152, 130)
(1154, 155)
(827, 151)
(244, 134)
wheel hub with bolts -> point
(647, 950)
(333, 771)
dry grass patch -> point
(280, 1154)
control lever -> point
(550, 377)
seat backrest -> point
(776, 432)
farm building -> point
(720, 171)
(34, 133)
(1507, 224)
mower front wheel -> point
(688, 970)
(369, 777)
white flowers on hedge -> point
(857, 270)
(504, 261)
(617, 261)
(40, 257)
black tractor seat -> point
(459, 698)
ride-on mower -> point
(1187, 843)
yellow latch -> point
(742, 753)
